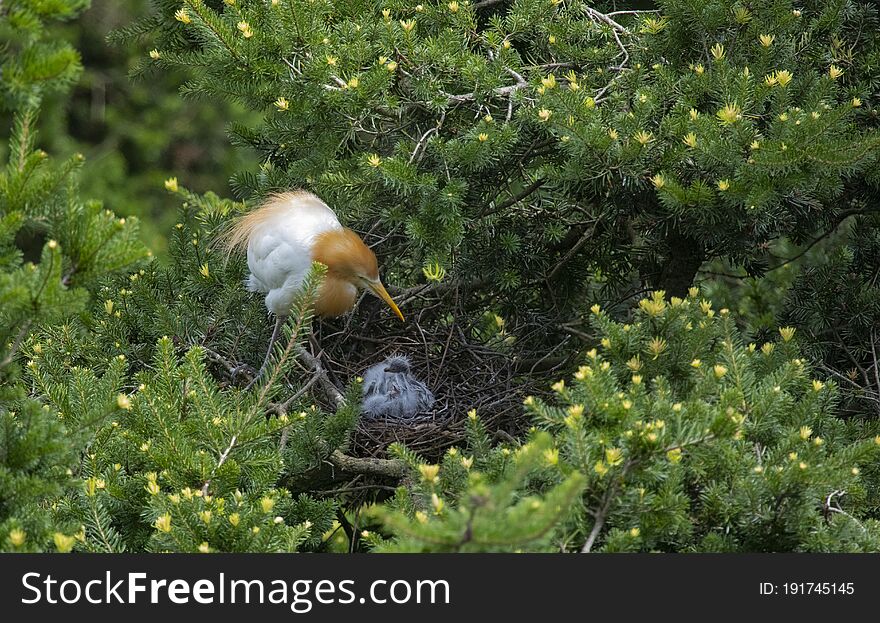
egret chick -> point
(283, 237)
(391, 390)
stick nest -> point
(465, 365)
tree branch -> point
(524, 193)
(500, 91)
(16, 344)
(314, 364)
(573, 250)
(484, 4)
(391, 468)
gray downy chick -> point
(391, 390)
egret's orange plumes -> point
(346, 257)
(240, 231)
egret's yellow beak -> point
(379, 290)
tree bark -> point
(392, 468)
(684, 259)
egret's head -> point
(347, 257)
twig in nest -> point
(281, 408)
(314, 364)
(379, 467)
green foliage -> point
(72, 244)
(187, 464)
(681, 438)
(836, 305)
(757, 302)
(457, 508)
(518, 160)
(136, 133)
(32, 62)
(693, 440)
(500, 139)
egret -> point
(283, 237)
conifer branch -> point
(829, 507)
(601, 514)
(202, 11)
(605, 19)
(573, 250)
(16, 344)
(513, 199)
(498, 92)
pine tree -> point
(683, 438)
(640, 147)
(54, 249)
(836, 303)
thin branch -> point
(281, 408)
(632, 12)
(513, 200)
(573, 250)
(623, 51)
(547, 66)
(370, 487)
(314, 364)
(596, 16)
(836, 509)
(601, 515)
(500, 91)
(232, 370)
(874, 355)
(470, 97)
(220, 463)
(838, 222)
(424, 140)
(16, 344)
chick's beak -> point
(379, 290)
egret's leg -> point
(279, 322)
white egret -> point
(283, 237)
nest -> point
(450, 352)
